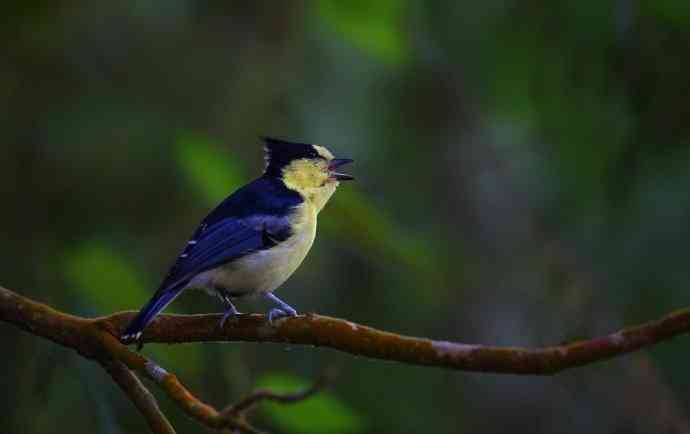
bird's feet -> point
(230, 310)
(277, 313)
(285, 310)
(227, 314)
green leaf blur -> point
(212, 171)
(105, 279)
(375, 27)
(320, 414)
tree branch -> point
(97, 339)
(140, 396)
(190, 404)
(91, 339)
(342, 335)
(250, 401)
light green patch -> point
(322, 413)
(212, 170)
(375, 27)
(105, 279)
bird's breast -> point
(265, 270)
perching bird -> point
(256, 238)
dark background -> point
(522, 179)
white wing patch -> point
(325, 153)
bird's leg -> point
(230, 309)
(277, 312)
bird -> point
(256, 238)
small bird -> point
(257, 237)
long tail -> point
(147, 313)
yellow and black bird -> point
(256, 238)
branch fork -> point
(96, 339)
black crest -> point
(279, 153)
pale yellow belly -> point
(263, 271)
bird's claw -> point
(277, 313)
(228, 313)
(230, 309)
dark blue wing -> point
(223, 242)
(253, 218)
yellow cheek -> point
(302, 175)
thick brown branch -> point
(342, 335)
(93, 339)
(346, 336)
(140, 396)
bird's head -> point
(310, 170)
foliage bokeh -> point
(522, 176)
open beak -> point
(337, 162)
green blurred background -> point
(522, 179)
